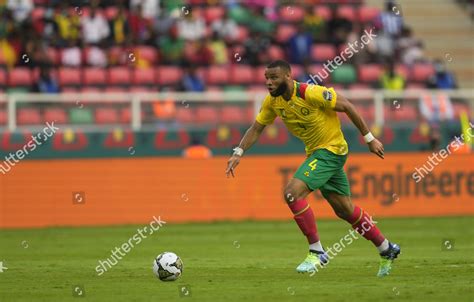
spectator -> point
(71, 55)
(256, 49)
(218, 49)
(172, 47)
(200, 54)
(68, 26)
(306, 75)
(191, 28)
(96, 56)
(435, 108)
(442, 78)
(8, 52)
(338, 28)
(191, 80)
(314, 24)
(46, 83)
(21, 9)
(119, 27)
(149, 9)
(390, 80)
(140, 26)
(94, 27)
(197, 150)
(391, 19)
(35, 52)
(299, 46)
(226, 28)
(410, 49)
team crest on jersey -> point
(327, 95)
(304, 111)
(306, 173)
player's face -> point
(276, 81)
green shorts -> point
(324, 170)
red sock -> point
(304, 217)
(362, 223)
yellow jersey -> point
(309, 115)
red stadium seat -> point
(143, 76)
(405, 113)
(94, 76)
(68, 76)
(106, 116)
(217, 75)
(168, 75)
(125, 115)
(55, 114)
(119, 76)
(139, 89)
(242, 34)
(90, 89)
(402, 70)
(28, 116)
(3, 117)
(415, 86)
(276, 53)
(241, 74)
(232, 115)
(20, 76)
(206, 114)
(370, 73)
(291, 13)
(347, 12)
(147, 53)
(323, 11)
(213, 13)
(260, 75)
(285, 32)
(367, 13)
(111, 12)
(116, 89)
(3, 78)
(37, 13)
(54, 55)
(422, 72)
(323, 52)
(185, 115)
(69, 89)
(317, 70)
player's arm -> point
(344, 105)
(250, 137)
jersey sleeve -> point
(321, 96)
(266, 116)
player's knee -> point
(343, 212)
(289, 195)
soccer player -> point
(309, 113)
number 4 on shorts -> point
(313, 165)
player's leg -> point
(337, 192)
(313, 173)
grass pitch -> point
(247, 261)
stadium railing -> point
(139, 103)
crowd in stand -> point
(196, 34)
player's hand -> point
(231, 164)
(376, 147)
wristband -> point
(368, 137)
(238, 151)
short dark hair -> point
(280, 63)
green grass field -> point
(248, 261)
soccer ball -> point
(167, 266)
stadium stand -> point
(137, 50)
